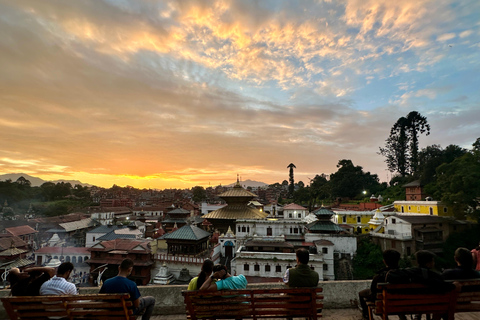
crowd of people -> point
(48, 281)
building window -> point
(394, 220)
(93, 239)
(289, 215)
(246, 267)
(344, 219)
(403, 210)
(256, 267)
(325, 250)
(278, 269)
(299, 215)
(244, 229)
(267, 268)
(269, 231)
(295, 230)
(431, 211)
(409, 208)
(239, 228)
(418, 208)
(325, 267)
(445, 209)
(359, 219)
(248, 228)
(291, 230)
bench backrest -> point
(468, 299)
(254, 303)
(413, 299)
(91, 306)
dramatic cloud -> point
(179, 93)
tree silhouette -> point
(417, 124)
(291, 187)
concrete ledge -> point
(169, 299)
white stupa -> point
(53, 263)
(163, 276)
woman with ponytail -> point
(207, 269)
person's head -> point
(126, 267)
(425, 259)
(302, 256)
(463, 257)
(207, 268)
(65, 269)
(219, 271)
(391, 258)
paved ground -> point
(337, 314)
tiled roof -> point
(323, 212)
(18, 263)
(324, 226)
(179, 211)
(187, 232)
(6, 242)
(123, 244)
(293, 206)
(103, 229)
(236, 211)
(324, 242)
(12, 252)
(65, 250)
(21, 230)
(76, 225)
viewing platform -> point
(340, 299)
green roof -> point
(323, 212)
(187, 232)
(324, 226)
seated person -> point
(206, 271)
(59, 284)
(28, 281)
(120, 284)
(302, 275)
(390, 259)
(225, 280)
(464, 269)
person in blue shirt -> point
(120, 284)
(225, 280)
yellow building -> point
(357, 220)
(432, 208)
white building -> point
(94, 234)
(294, 211)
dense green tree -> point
(199, 194)
(368, 260)
(302, 197)
(458, 185)
(291, 186)
(349, 181)
(433, 156)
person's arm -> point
(286, 277)
(136, 303)
(209, 284)
(47, 270)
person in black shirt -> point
(390, 259)
(28, 282)
(464, 269)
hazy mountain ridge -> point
(36, 182)
(249, 183)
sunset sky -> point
(173, 94)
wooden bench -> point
(84, 306)
(395, 299)
(282, 303)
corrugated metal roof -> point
(18, 263)
(76, 225)
(188, 232)
(236, 211)
(12, 252)
(103, 229)
(21, 230)
(112, 236)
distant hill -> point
(36, 182)
(249, 183)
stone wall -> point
(169, 299)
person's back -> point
(197, 282)
(29, 282)
(59, 284)
(301, 275)
(464, 269)
(225, 281)
(120, 284)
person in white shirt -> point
(59, 285)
